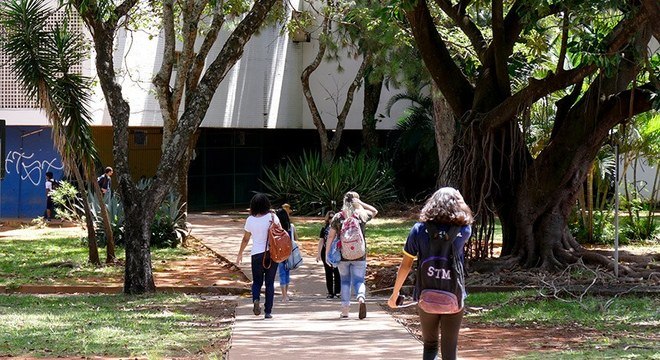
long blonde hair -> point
(447, 206)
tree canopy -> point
(494, 61)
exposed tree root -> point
(634, 269)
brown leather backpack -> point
(279, 242)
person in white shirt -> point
(263, 270)
(50, 206)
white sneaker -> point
(344, 312)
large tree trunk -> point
(551, 184)
(138, 276)
(496, 173)
(372, 91)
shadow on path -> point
(307, 327)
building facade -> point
(257, 117)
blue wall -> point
(28, 158)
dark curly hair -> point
(259, 204)
(447, 206)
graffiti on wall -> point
(30, 169)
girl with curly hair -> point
(445, 209)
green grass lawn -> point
(628, 321)
(113, 326)
(53, 256)
(385, 236)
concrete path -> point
(307, 327)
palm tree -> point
(415, 149)
(42, 62)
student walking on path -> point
(306, 321)
(263, 270)
(282, 270)
(445, 211)
(332, 277)
(352, 270)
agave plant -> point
(314, 186)
(115, 210)
(169, 228)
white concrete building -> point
(258, 107)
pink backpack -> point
(353, 246)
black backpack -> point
(54, 184)
(440, 276)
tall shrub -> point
(313, 186)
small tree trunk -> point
(138, 277)
(182, 175)
(327, 152)
(110, 247)
(91, 234)
(590, 204)
(652, 202)
(445, 129)
(372, 91)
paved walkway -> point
(307, 327)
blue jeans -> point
(285, 275)
(259, 274)
(352, 273)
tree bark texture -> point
(372, 91)
(140, 206)
(329, 145)
(138, 275)
(89, 221)
(444, 125)
(497, 174)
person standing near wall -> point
(50, 187)
(105, 183)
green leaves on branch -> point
(43, 58)
(313, 187)
(168, 228)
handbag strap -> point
(266, 254)
(263, 260)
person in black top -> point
(446, 208)
(105, 183)
(50, 205)
(332, 279)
